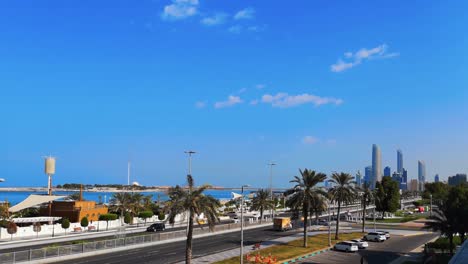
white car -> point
(360, 243)
(375, 236)
(347, 246)
(387, 234)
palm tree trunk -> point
(338, 221)
(188, 248)
(305, 227)
(451, 243)
(261, 215)
(364, 217)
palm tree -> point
(193, 201)
(318, 205)
(147, 202)
(342, 192)
(120, 202)
(136, 204)
(262, 202)
(366, 198)
(303, 193)
(442, 221)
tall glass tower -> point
(376, 165)
(421, 174)
(399, 161)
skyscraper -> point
(387, 171)
(399, 161)
(436, 178)
(358, 178)
(376, 165)
(457, 179)
(368, 174)
(404, 180)
(421, 174)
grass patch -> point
(295, 249)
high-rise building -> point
(457, 179)
(421, 174)
(387, 171)
(404, 180)
(358, 178)
(413, 185)
(436, 178)
(399, 161)
(368, 174)
(376, 165)
(397, 177)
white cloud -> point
(231, 101)
(284, 100)
(247, 13)
(310, 140)
(253, 102)
(260, 86)
(200, 104)
(379, 52)
(235, 29)
(180, 9)
(217, 19)
(242, 90)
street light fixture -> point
(242, 224)
(271, 164)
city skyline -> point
(139, 81)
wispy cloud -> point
(231, 101)
(284, 100)
(309, 140)
(247, 13)
(200, 104)
(235, 29)
(254, 102)
(242, 90)
(216, 19)
(354, 59)
(260, 86)
(180, 9)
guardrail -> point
(58, 251)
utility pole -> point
(242, 226)
(271, 164)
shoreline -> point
(95, 190)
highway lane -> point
(175, 251)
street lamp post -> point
(271, 164)
(242, 226)
(329, 224)
(430, 212)
(190, 153)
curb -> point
(317, 252)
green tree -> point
(192, 201)
(343, 192)
(443, 221)
(318, 205)
(387, 196)
(303, 192)
(147, 202)
(457, 204)
(136, 205)
(120, 203)
(145, 215)
(367, 195)
(84, 222)
(65, 224)
(107, 218)
(261, 202)
(161, 216)
(439, 191)
(128, 219)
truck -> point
(282, 223)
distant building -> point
(358, 179)
(413, 185)
(457, 179)
(387, 171)
(404, 180)
(376, 165)
(399, 161)
(397, 177)
(368, 174)
(436, 178)
(421, 174)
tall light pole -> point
(430, 212)
(329, 224)
(242, 225)
(190, 153)
(271, 164)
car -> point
(156, 227)
(375, 236)
(387, 234)
(360, 243)
(347, 246)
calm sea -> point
(16, 197)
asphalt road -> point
(377, 252)
(175, 252)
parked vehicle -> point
(347, 246)
(375, 236)
(387, 234)
(282, 223)
(360, 243)
(156, 227)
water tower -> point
(49, 170)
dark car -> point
(156, 227)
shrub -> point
(107, 218)
(65, 224)
(145, 215)
(128, 218)
(84, 222)
(161, 216)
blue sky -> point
(304, 84)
